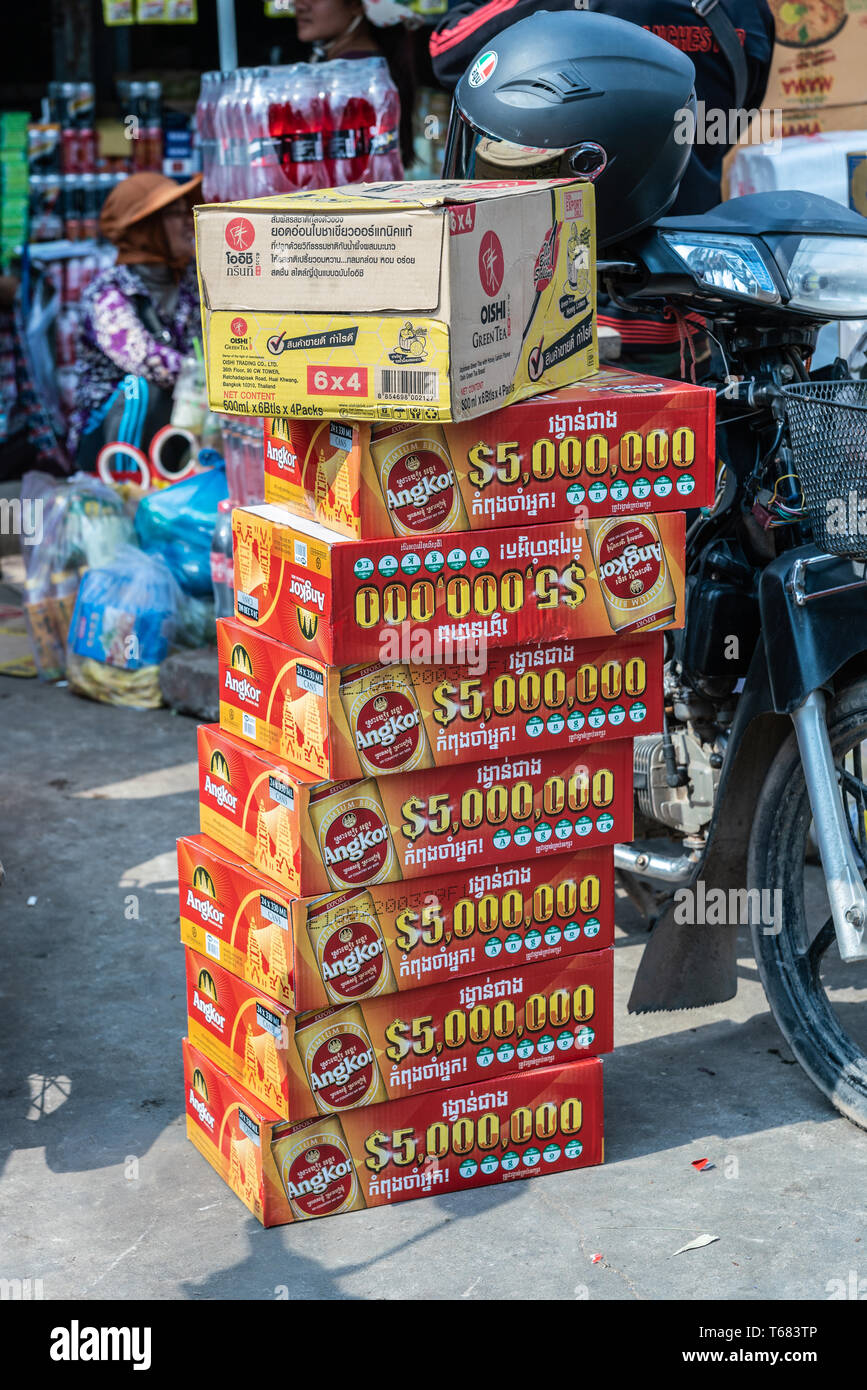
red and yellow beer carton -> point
(423, 300)
(237, 917)
(375, 718)
(345, 601)
(313, 953)
(616, 442)
(316, 837)
(359, 1053)
(523, 1125)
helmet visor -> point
(473, 153)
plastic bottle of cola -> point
(303, 151)
(262, 174)
(222, 149)
(350, 119)
(385, 162)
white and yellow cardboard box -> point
(434, 301)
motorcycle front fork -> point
(846, 891)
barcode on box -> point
(212, 945)
(403, 385)
(248, 722)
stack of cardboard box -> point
(399, 914)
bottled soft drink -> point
(205, 113)
(238, 120)
(385, 160)
(222, 577)
(223, 170)
(350, 121)
(262, 155)
(301, 129)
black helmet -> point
(583, 93)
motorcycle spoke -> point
(861, 800)
(852, 785)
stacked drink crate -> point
(399, 913)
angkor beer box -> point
(420, 599)
(429, 300)
(315, 837)
(515, 1019)
(616, 442)
(525, 1125)
(312, 953)
(375, 718)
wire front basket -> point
(828, 432)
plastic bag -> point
(72, 526)
(178, 522)
(125, 619)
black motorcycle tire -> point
(778, 846)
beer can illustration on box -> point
(418, 481)
(350, 949)
(339, 1060)
(353, 834)
(384, 719)
(317, 1170)
(634, 576)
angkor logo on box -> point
(240, 659)
(203, 882)
(219, 766)
(205, 985)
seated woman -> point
(138, 318)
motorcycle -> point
(755, 791)
(761, 765)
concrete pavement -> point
(101, 1196)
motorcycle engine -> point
(697, 745)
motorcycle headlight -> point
(827, 275)
(733, 265)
